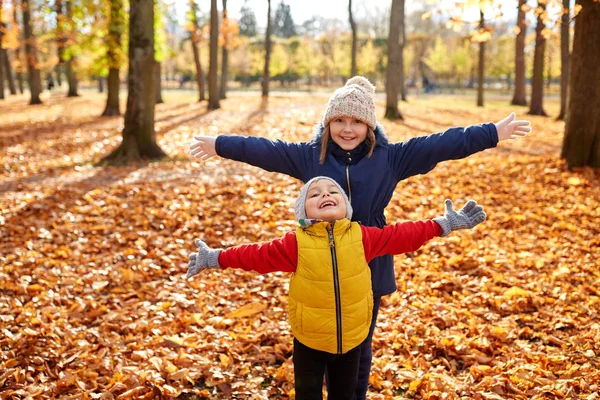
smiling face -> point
(325, 201)
(348, 132)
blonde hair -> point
(369, 140)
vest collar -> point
(319, 228)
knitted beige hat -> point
(355, 99)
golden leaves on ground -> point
(94, 303)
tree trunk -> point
(18, 61)
(139, 140)
(564, 59)
(354, 40)
(213, 68)
(157, 83)
(35, 80)
(481, 63)
(402, 44)
(392, 76)
(100, 84)
(195, 37)
(224, 53)
(9, 73)
(266, 74)
(71, 63)
(112, 100)
(1, 67)
(581, 145)
(519, 97)
(537, 81)
(60, 40)
(115, 30)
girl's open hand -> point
(508, 128)
(203, 147)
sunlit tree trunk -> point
(18, 61)
(354, 39)
(266, 74)
(392, 77)
(581, 145)
(8, 72)
(564, 59)
(71, 62)
(537, 81)
(158, 82)
(139, 140)
(195, 38)
(481, 64)
(402, 44)
(519, 97)
(60, 40)
(225, 53)
(213, 84)
(116, 26)
(35, 80)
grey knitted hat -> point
(355, 99)
(300, 210)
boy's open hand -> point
(204, 258)
(203, 147)
(465, 218)
(508, 128)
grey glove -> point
(205, 258)
(467, 217)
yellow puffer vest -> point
(331, 299)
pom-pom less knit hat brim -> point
(355, 100)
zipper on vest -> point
(336, 288)
(348, 182)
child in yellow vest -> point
(331, 300)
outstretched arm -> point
(421, 154)
(270, 155)
(264, 257)
(405, 237)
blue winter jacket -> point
(369, 181)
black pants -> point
(309, 370)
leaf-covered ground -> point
(94, 302)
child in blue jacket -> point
(351, 147)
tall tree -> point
(1, 51)
(60, 40)
(4, 56)
(581, 145)
(519, 97)
(8, 72)
(71, 61)
(159, 49)
(564, 58)
(114, 56)
(392, 81)
(139, 140)
(402, 44)
(283, 23)
(354, 40)
(18, 62)
(33, 69)
(195, 35)
(247, 22)
(266, 76)
(481, 63)
(213, 84)
(224, 52)
(537, 81)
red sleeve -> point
(264, 257)
(399, 238)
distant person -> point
(331, 299)
(351, 147)
(50, 80)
